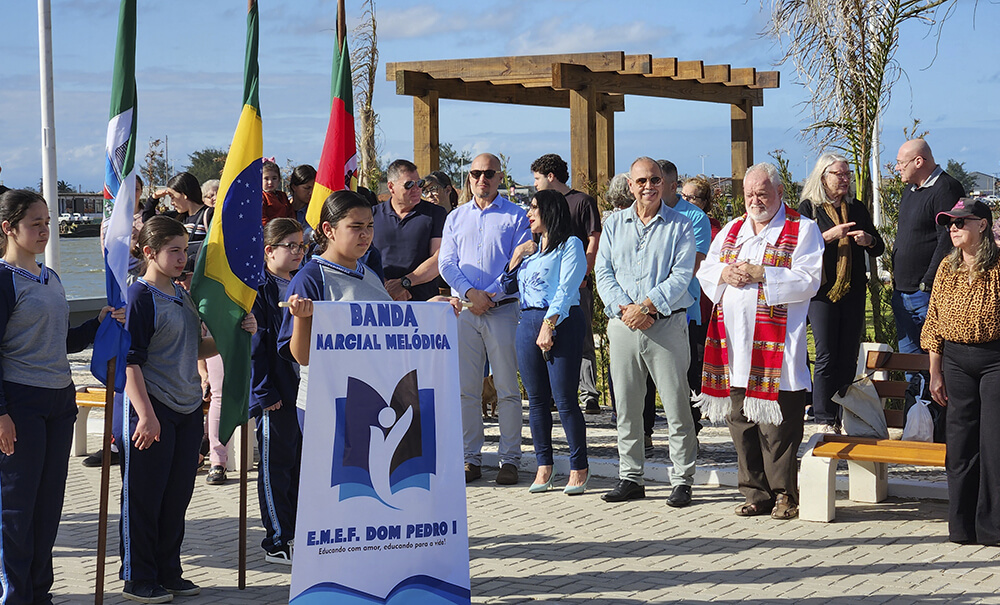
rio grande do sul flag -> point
(112, 340)
(338, 163)
(231, 261)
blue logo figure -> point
(381, 449)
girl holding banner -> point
(37, 400)
(550, 334)
(275, 382)
(164, 416)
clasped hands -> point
(742, 273)
(633, 317)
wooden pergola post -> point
(583, 136)
(605, 145)
(741, 120)
(426, 149)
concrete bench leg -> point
(80, 432)
(869, 481)
(817, 485)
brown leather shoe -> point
(784, 508)
(507, 474)
(472, 472)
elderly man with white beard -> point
(761, 272)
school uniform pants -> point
(972, 460)
(661, 351)
(837, 330)
(279, 441)
(491, 333)
(157, 484)
(555, 380)
(32, 484)
(766, 455)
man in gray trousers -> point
(644, 266)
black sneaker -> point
(95, 460)
(592, 408)
(181, 587)
(146, 592)
(281, 555)
(216, 475)
(648, 445)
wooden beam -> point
(742, 76)
(417, 84)
(575, 77)
(508, 69)
(605, 146)
(426, 150)
(690, 70)
(768, 79)
(666, 67)
(638, 64)
(583, 140)
(741, 123)
(715, 74)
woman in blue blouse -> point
(550, 334)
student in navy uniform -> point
(164, 416)
(37, 401)
(275, 382)
(338, 273)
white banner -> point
(381, 513)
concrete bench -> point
(867, 459)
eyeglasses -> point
(904, 164)
(489, 174)
(959, 223)
(653, 180)
(292, 248)
(840, 175)
(431, 189)
(691, 198)
(410, 184)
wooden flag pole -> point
(102, 516)
(244, 463)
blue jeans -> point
(909, 310)
(556, 380)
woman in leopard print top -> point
(962, 335)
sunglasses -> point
(489, 174)
(410, 184)
(653, 180)
(293, 248)
(959, 223)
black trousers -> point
(837, 330)
(972, 381)
(157, 484)
(32, 485)
(767, 455)
(279, 441)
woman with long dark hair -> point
(550, 334)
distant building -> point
(986, 184)
(82, 203)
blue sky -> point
(190, 62)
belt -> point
(505, 301)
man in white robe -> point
(763, 268)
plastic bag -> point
(862, 410)
(919, 424)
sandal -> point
(784, 508)
(749, 509)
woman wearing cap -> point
(837, 312)
(962, 335)
(439, 190)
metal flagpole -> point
(50, 188)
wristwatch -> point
(923, 287)
(406, 283)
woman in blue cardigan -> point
(550, 334)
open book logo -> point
(381, 449)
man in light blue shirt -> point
(644, 267)
(478, 240)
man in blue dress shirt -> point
(479, 239)
(645, 263)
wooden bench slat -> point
(881, 450)
(889, 360)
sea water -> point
(81, 267)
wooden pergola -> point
(592, 86)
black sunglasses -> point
(959, 223)
(653, 180)
(489, 174)
(409, 184)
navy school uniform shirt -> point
(320, 280)
(34, 330)
(272, 377)
(165, 331)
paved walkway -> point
(548, 548)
